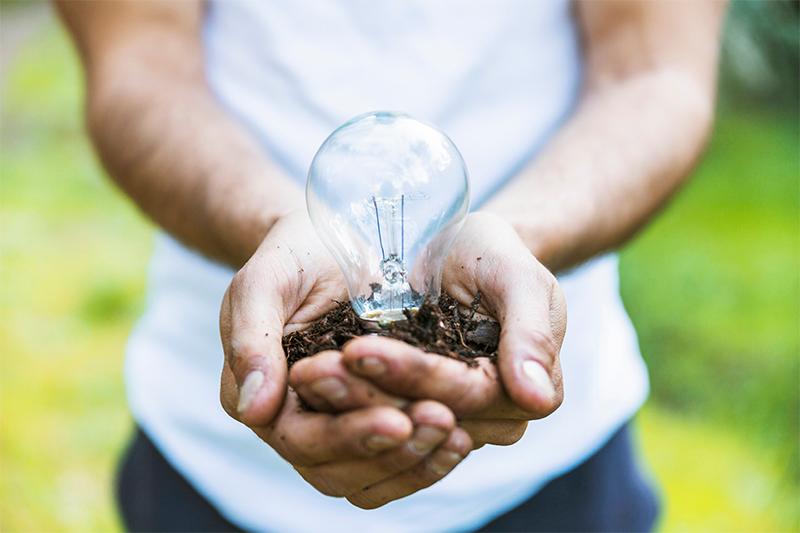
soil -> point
(444, 328)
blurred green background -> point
(712, 285)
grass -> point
(714, 291)
(712, 287)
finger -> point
(499, 432)
(327, 385)
(438, 465)
(532, 330)
(306, 438)
(399, 368)
(433, 423)
(254, 373)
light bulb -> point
(387, 194)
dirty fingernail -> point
(444, 462)
(539, 376)
(371, 366)
(330, 388)
(379, 443)
(249, 388)
(425, 439)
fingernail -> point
(330, 388)
(371, 366)
(379, 443)
(425, 439)
(444, 462)
(250, 387)
(539, 376)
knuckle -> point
(461, 442)
(242, 349)
(323, 364)
(245, 356)
(419, 365)
(518, 264)
(317, 366)
(241, 281)
(432, 413)
(469, 402)
(476, 393)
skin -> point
(391, 419)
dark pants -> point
(604, 493)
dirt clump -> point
(444, 328)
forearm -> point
(643, 119)
(163, 137)
(190, 167)
(617, 160)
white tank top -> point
(499, 77)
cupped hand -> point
(492, 402)
(287, 284)
(371, 455)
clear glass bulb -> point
(387, 194)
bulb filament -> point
(392, 263)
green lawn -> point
(712, 286)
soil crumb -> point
(444, 328)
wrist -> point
(267, 210)
(538, 238)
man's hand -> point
(287, 284)
(372, 455)
(492, 402)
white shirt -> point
(498, 77)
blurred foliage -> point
(74, 254)
(761, 53)
(712, 286)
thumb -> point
(254, 376)
(532, 313)
(524, 297)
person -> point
(577, 121)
